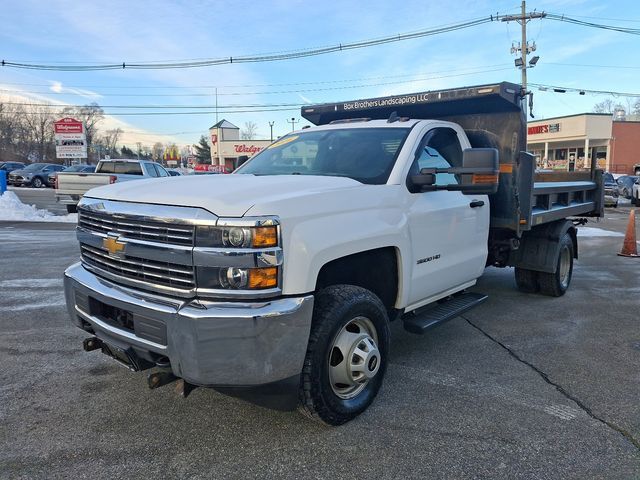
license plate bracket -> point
(126, 357)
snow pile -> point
(12, 209)
(597, 232)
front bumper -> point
(218, 344)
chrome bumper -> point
(207, 343)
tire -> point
(72, 209)
(635, 201)
(338, 308)
(556, 284)
(625, 193)
(527, 280)
(36, 182)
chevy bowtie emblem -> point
(113, 245)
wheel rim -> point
(37, 183)
(354, 358)
(565, 266)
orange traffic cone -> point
(629, 247)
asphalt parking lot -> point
(524, 386)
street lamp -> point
(533, 61)
(271, 124)
(293, 122)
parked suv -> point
(34, 175)
(610, 190)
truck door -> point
(448, 230)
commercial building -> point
(573, 142)
(227, 147)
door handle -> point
(476, 203)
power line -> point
(307, 90)
(582, 91)
(575, 21)
(310, 52)
(17, 112)
(134, 107)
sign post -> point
(71, 139)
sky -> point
(115, 31)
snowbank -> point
(597, 232)
(12, 209)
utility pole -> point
(524, 47)
(271, 124)
(293, 122)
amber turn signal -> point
(263, 278)
(484, 178)
(265, 237)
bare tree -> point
(110, 141)
(156, 151)
(249, 131)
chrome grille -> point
(134, 228)
(141, 269)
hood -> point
(222, 195)
(21, 172)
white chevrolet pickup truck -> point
(71, 186)
(278, 283)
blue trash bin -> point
(3, 181)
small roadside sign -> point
(70, 137)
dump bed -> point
(492, 116)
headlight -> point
(237, 236)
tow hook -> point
(91, 344)
(164, 377)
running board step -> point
(427, 319)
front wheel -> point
(556, 284)
(36, 182)
(346, 356)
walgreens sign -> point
(68, 125)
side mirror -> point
(479, 174)
(481, 171)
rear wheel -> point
(556, 284)
(346, 356)
(72, 209)
(527, 280)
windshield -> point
(34, 167)
(363, 154)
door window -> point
(439, 148)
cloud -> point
(57, 87)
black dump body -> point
(492, 116)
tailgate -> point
(79, 183)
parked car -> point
(51, 179)
(173, 173)
(610, 190)
(34, 175)
(625, 185)
(11, 166)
